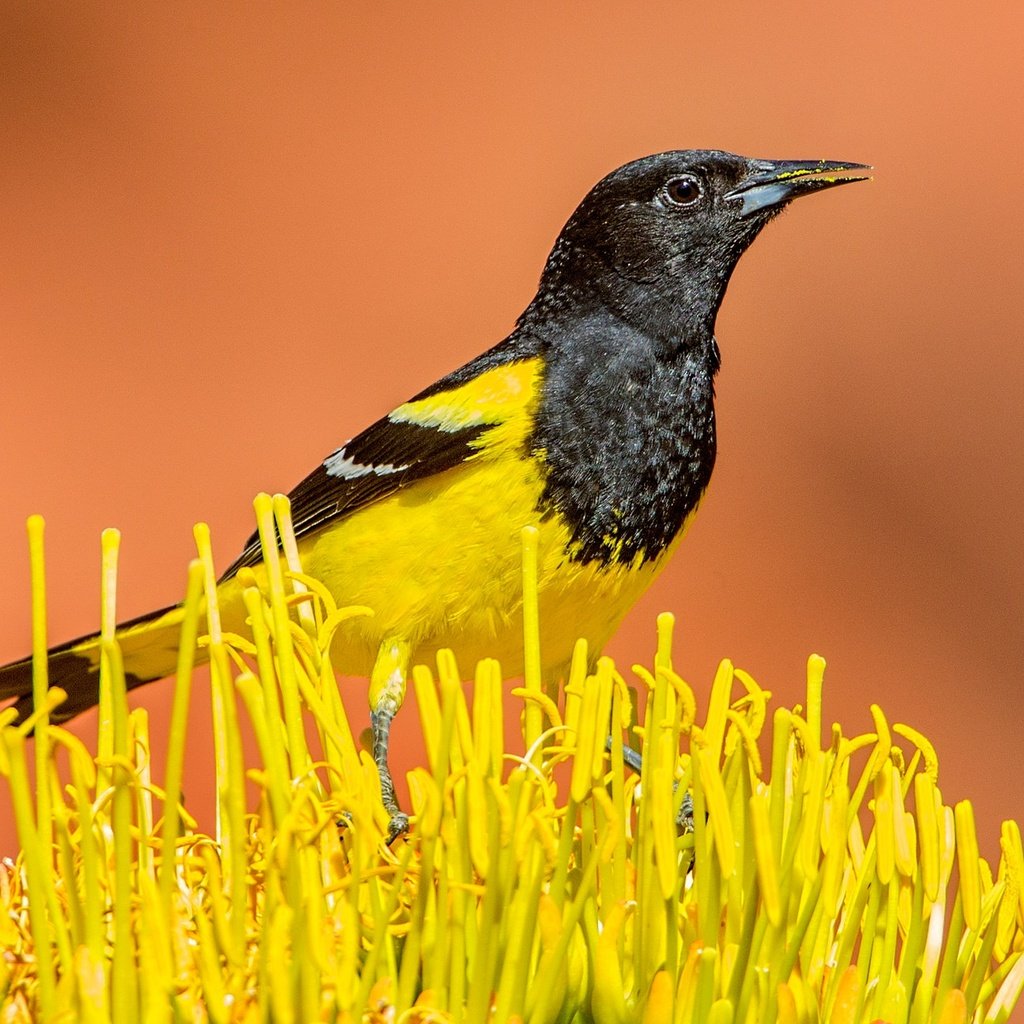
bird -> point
(593, 421)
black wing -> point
(383, 459)
(393, 453)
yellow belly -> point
(440, 564)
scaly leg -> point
(634, 760)
(387, 691)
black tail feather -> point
(74, 667)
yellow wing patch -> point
(496, 396)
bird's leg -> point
(634, 760)
(387, 691)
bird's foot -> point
(397, 826)
(634, 760)
(684, 819)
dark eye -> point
(684, 191)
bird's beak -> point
(773, 183)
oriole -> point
(593, 420)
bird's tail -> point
(149, 646)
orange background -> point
(231, 237)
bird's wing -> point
(459, 418)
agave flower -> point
(827, 881)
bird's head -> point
(657, 239)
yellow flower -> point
(827, 883)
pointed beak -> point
(772, 184)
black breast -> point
(626, 430)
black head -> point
(657, 239)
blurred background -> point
(232, 235)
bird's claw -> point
(397, 826)
(684, 819)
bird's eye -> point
(684, 191)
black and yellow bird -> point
(593, 421)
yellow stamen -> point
(541, 882)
